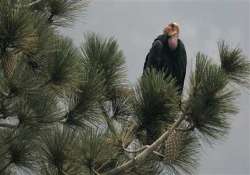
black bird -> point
(168, 54)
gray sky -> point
(135, 23)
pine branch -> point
(140, 158)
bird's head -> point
(172, 31)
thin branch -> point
(191, 127)
(141, 149)
(50, 18)
(140, 158)
(106, 163)
(159, 154)
(59, 119)
(33, 3)
(96, 173)
(6, 125)
(4, 94)
(109, 121)
(44, 84)
(137, 150)
(5, 167)
(64, 173)
(130, 133)
(3, 116)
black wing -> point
(153, 56)
(182, 65)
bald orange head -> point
(172, 29)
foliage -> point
(60, 12)
(181, 152)
(234, 64)
(105, 55)
(156, 100)
(70, 111)
(210, 100)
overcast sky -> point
(135, 24)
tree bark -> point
(8, 63)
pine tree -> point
(70, 111)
